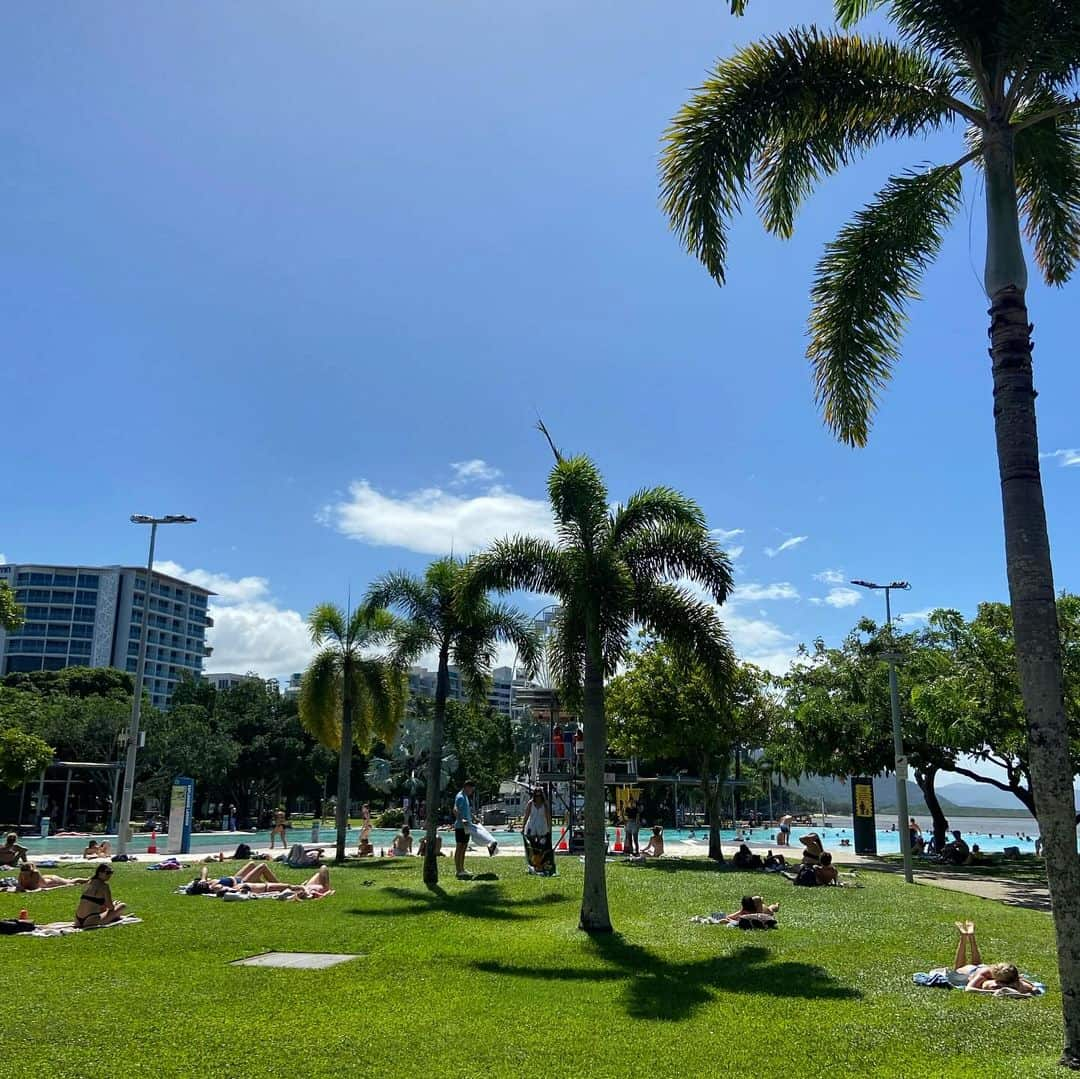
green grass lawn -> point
(493, 979)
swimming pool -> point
(684, 840)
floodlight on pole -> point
(898, 740)
(140, 670)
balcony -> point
(208, 650)
(209, 622)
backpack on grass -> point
(806, 876)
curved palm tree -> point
(348, 697)
(463, 633)
(779, 115)
(612, 569)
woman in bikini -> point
(96, 906)
(30, 880)
(974, 976)
(278, 829)
(313, 888)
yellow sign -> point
(624, 795)
(864, 800)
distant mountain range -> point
(966, 799)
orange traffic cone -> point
(563, 845)
(618, 841)
(152, 848)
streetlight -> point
(140, 667)
(898, 742)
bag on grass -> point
(16, 925)
(806, 877)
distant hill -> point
(957, 799)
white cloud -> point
(3, 559)
(759, 641)
(754, 593)
(250, 632)
(475, 470)
(434, 521)
(1067, 457)
(842, 597)
(722, 535)
(915, 616)
(734, 553)
(772, 552)
(830, 576)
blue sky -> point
(310, 272)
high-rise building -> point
(223, 680)
(92, 616)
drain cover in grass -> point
(294, 960)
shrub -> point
(390, 818)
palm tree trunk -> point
(716, 849)
(434, 773)
(344, 761)
(1031, 580)
(594, 903)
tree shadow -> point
(483, 901)
(681, 865)
(661, 989)
(377, 866)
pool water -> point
(888, 842)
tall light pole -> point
(898, 741)
(140, 668)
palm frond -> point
(690, 625)
(566, 653)
(679, 550)
(863, 283)
(326, 621)
(579, 500)
(320, 698)
(652, 506)
(412, 640)
(785, 112)
(517, 563)
(406, 592)
(370, 626)
(1048, 183)
(849, 12)
(511, 626)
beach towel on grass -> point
(944, 978)
(65, 929)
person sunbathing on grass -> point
(30, 880)
(974, 976)
(249, 873)
(752, 904)
(402, 846)
(314, 887)
(96, 906)
(11, 852)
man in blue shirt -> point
(462, 820)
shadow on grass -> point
(661, 989)
(680, 865)
(484, 901)
(377, 866)
(1016, 883)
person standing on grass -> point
(462, 823)
(633, 826)
(278, 829)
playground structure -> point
(557, 763)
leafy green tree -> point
(347, 696)
(187, 741)
(11, 614)
(780, 115)
(666, 706)
(974, 700)
(835, 717)
(461, 629)
(22, 756)
(612, 569)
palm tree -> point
(465, 634)
(611, 569)
(781, 114)
(348, 697)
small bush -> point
(390, 818)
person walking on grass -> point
(463, 827)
